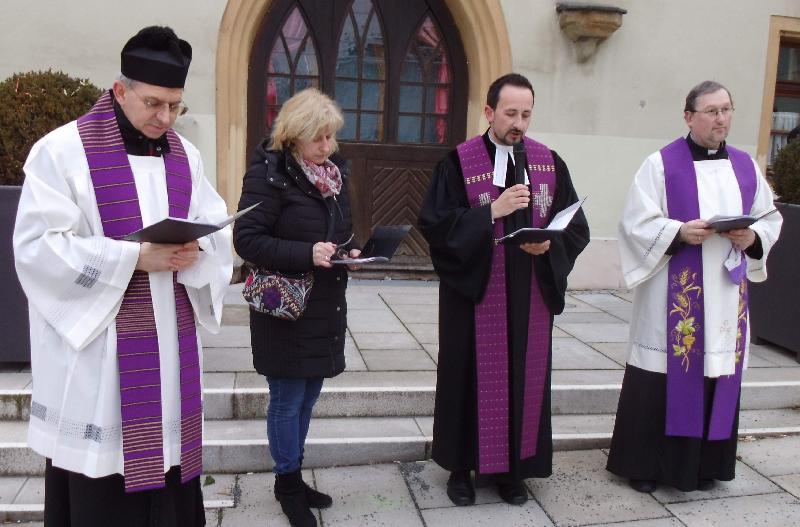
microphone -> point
(520, 160)
(520, 217)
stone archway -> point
(483, 34)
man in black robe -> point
(461, 241)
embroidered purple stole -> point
(137, 340)
(491, 324)
(685, 305)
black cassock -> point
(461, 242)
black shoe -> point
(317, 499)
(643, 485)
(513, 493)
(706, 484)
(460, 490)
(290, 492)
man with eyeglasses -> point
(115, 355)
(677, 420)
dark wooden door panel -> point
(389, 178)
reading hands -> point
(322, 254)
(512, 198)
(536, 248)
(161, 257)
(695, 232)
(740, 238)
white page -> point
(562, 219)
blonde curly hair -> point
(306, 115)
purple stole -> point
(137, 340)
(491, 325)
(685, 304)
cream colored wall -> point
(84, 39)
(606, 115)
(603, 116)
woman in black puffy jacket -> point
(302, 223)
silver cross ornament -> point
(542, 200)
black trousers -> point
(75, 500)
(640, 448)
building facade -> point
(411, 77)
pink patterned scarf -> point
(325, 177)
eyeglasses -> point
(155, 105)
(712, 113)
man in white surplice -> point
(75, 277)
(648, 239)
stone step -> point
(410, 394)
(22, 497)
(236, 446)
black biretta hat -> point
(156, 55)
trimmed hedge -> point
(786, 173)
(31, 105)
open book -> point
(176, 230)
(380, 247)
(729, 223)
(537, 235)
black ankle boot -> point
(317, 499)
(291, 494)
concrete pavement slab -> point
(616, 351)
(424, 333)
(15, 380)
(775, 354)
(417, 313)
(773, 456)
(748, 482)
(31, 492)
(559, 334)
(790, 483)
(373, 321)
(779, 510)
(590, 333)
(659, 522)
(353, 360)
(381, 379)
(228, 337)
(573, 305)
(221, 381)
(572, 354)
(582, 492)
(433, 351)
(236, 315)
(625, 295)
(10, 487)
(256, 504)
(595, 317)
(380, 341)
(398, 360)
(428, 484)
(489, 515)
(369, 496)
(227, 359)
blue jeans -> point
(290, 403)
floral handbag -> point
(280, 295)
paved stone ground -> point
(765, 492)
(393, 330)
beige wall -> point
(603, 116)
(83, 38)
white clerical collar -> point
(501, 156)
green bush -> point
(31, 105)
(786, 173)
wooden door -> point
(393, 67)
